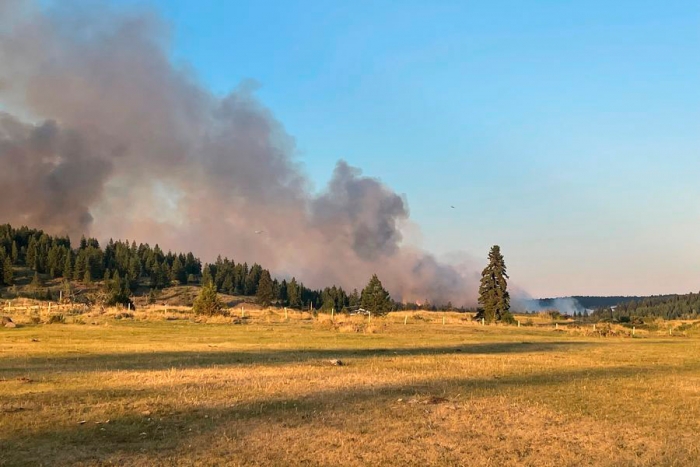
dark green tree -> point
(67, 290)
(265, 293)
(68, 267)
(207, 302)
(118, 292)
(354, 299)
(294, 294)
(14, 254)
(493, 290)
(177, 272)
(7, 273)
(375, 298)
(206, 275)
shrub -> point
(508, 318)
(208, 303)
(56, 319)
(124, 315)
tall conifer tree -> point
(265, 293)
(493, 290)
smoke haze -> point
(100, 134)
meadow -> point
(165, 389)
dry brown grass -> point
(262, 392)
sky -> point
(566, 132)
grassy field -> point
(157, 392)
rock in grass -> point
(5, 320)
(10, 325)
(336, 362)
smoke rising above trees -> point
(101, 135)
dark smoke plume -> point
(101, 134)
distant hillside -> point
(578, 303)
(686, 306)
(594, 302)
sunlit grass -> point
(178, 392)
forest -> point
(686, 306)
(125, 268)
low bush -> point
(56, 319)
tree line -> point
(664, 306)
(122, 267)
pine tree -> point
(67, 290)
(354, 299)
(31, 257)
(375, 298)
(7, 273)
(14, 253)
(265, 293)
(294, 294)
(177, 272)
(36, 281)
(207, 302)
(493, 290)
(68, 266)
(134, 272)
(118, 292)
(79, 266)
(206, 275)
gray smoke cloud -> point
(101, 134)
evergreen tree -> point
(14, 253)
(265, 293)
(31, 257)
(7, 273)
(294, 294)
(79, 267)
(68, 266)
(282, 293)
(67, 290)
(375, 298)
(177, 272)
(36, 281)
(118, 292)
(493, 290)
(207, 302)
(134, 271)
(252, 280)
(354, 299)
(206, 275)
(152, 296)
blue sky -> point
(567, 132)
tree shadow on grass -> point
(170, 427)
(15, 367)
